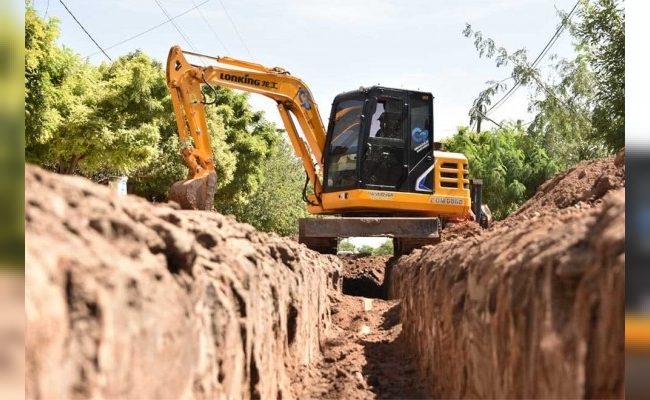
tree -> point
(346, 245)
(384, 249)
(508, 160)
(601, 31)
(365, 249)
(117, 118)
(580, 109)
(277, 204)
(251, 139)
(85, 119)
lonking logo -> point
(247, 80)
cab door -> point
(384, 157)
(420, 138)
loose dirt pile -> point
(531, 308)
(582, 186)
(363, 275)
(128, 300)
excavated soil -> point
(531, 308)
(363, 275)
(364, 356)
(125, 299)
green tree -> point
(580, 108)
(601, 31)
(384, 249)
(46, 67)
(251, 139)
(85, 119)
(154, 180)
(117, 118)
(346, 245)
(277, 204)
(365, 249)
(508, 160)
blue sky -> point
(333, 45)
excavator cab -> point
(380, 139)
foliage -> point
(346, 245)
(562, 124)
(601, 31)
(580, 109)
(277, 203)
(117, 118)
(508, 160)
(251, 139)
(80, 118)
(154, 180)
(365, 249)
(384, 249)
(45, 68)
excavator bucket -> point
(195, 194)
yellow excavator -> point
(375, 168)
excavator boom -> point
(292, 96)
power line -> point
(84, 29)
(537, 60)
(210, 27)
(235, 28)
(151, 29)
(175, 26)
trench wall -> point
(530, 309)
(125, 299)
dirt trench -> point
(364, 355)
(124, 299)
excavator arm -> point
(293, 98)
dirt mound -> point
(460, 230)
(363, 275)
(580, 187)
(532, 307)
(124, 299)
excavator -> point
(375, 171)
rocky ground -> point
(124, 299)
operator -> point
(387, 125)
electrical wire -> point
(236, 31)
(210, 27)
(176, 26)
(537, 60)
(150, 29)
(84, 29)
